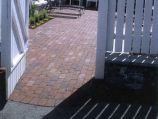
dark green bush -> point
(32, 20)
(36, 18)
(45, 14)
(41, 16)
(32, 10)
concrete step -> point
(66, 13)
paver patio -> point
(61, 58)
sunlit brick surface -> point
(61, 58)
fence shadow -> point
(2, 102)
(2, 89)
(99, 99)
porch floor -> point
(61, 58)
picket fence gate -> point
(127, 27)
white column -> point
(6, 38)
(101, 39)
(0, 20)
(27, 20)
(80, 2)
(6, 35)
(70, 2)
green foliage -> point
(45, 13)
(32, 20)
(36, 18)
(32, 10)
(41, 16)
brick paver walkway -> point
(61, 58)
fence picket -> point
(146, 26)
(129, 25)
(154, 39)
(138, 26)
(111, 24)
(120, 25)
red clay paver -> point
(61, 58)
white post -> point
(79, 2)
(8, 22)
(6, 35)
(101, 39)
(6, 38)
(27, 19)
(96, 4)
(27, 13)
(0, 20)
(70, 2)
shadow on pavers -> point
(99, 99)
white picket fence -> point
(14, 39)
(126, 26)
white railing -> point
(132, 26)
(14, 40)
(21, 19)
(19, 30)
(126, 26)
(17, 35)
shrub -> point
(32, 20)
(41, 16)
(32, 10)
(36, 18)
(45, 13)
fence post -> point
(101, 38)
(0, 21)
(27, 19)
(6, 35)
